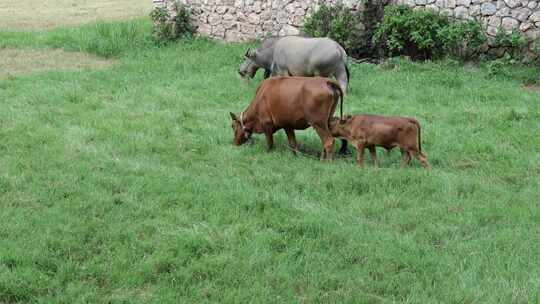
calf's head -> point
(242, 132)
(249, 67)
(340, 127)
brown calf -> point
(368, 131)
(290, 103)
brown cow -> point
(368, 131)
(290, 103)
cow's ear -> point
(233, 116)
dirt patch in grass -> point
(39, 14)
(531, 87)
(19, 61)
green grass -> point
(122, 186)
(106, 39)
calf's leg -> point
(292, 140)
(360, 154)
(421, 158)
(405, 157)
(373, 154)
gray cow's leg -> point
(343, 150)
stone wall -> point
(511, 15)
(242, 20)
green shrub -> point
(500, 67)
(536, 51)
(167, 29)
(336, 22)
(424, 34)
(508, 68)
(404, 31)
(512, 43)
(463, 39)
(371, 17)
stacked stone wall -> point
(522, 16)
(243, 20)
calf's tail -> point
(419, 135)
(336, 88)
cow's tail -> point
(348, 75)
(337, 88)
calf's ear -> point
(233, 116)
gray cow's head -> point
(249, 67)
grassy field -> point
(121, 185)
(47, 14)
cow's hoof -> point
(344, 152)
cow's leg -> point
(342, 79)
(327, 141)
(267, 73)
(421, 158)
(373, 154)
(405, 157)
(360, 154)
(269, 132)
(292, 140)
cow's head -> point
(241, 131)
(249, 67)
(340, 127)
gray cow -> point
(298, 56)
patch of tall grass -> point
(106, 39)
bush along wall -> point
(425, 34)
(353, 29)
(244, 20)
(508, 16)
(171, 22)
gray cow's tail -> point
(348, 75)
(336, 87)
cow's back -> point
(295, 102)
(385, 130)
(302, 56)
